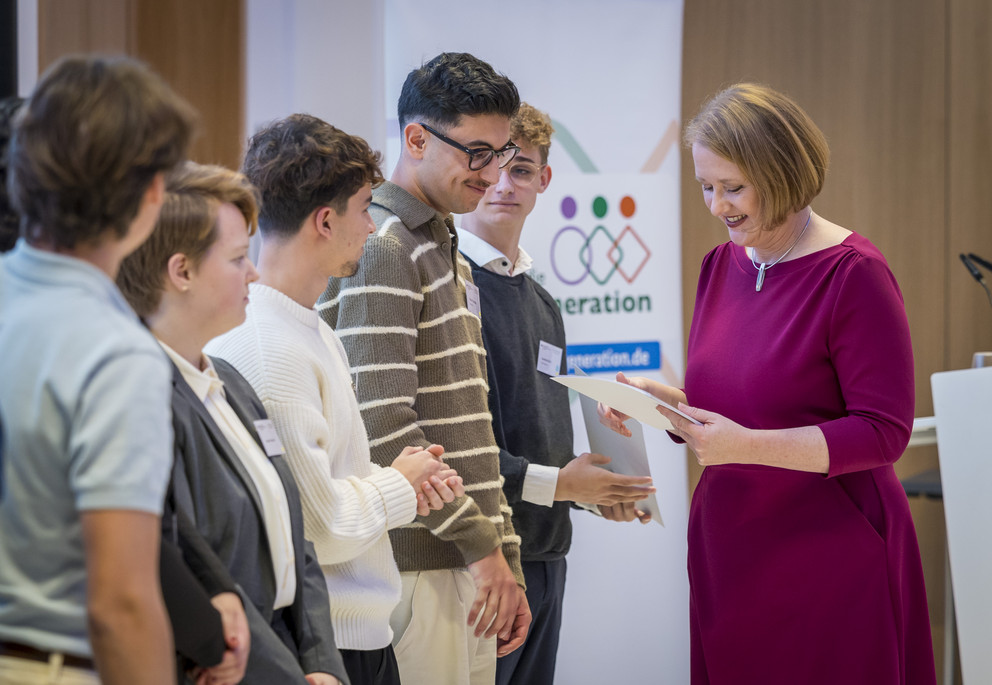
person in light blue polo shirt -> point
(84, 399)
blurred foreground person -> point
(85, 391)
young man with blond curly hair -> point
(531, 416)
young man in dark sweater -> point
(525, 341)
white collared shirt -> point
(491, 259)
(209, 388)
(540, 481)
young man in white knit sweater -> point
(316, 186)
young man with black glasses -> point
(409, 322)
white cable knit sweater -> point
(298, 367)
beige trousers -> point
(433, 642)
(16, 671)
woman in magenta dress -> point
(803, 560)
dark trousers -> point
(533, 663)
(372, 666)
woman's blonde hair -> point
(774, 143)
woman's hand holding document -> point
(648, 401)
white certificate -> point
(634, 402)
(628, 455)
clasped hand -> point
(237, 639)
(432, 479)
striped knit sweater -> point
(419, 369)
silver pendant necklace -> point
(765, 265)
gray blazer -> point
(212, 486)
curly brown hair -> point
(88, 144)
(301, 163)
(187, 225)
(532, 128)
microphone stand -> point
(969, 263)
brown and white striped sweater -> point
(419, 368)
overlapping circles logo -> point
(577, 254)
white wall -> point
(27, 46)
(320, 57)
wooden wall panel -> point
(198, 47)
(969, 314)
(66, 28)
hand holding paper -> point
(628, 457)
(637, 398)
(583, 480)
(713, 438)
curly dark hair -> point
(9, 221)
(301, 163)
(453, 84)
(88, 144)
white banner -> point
(605, 240)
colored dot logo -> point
(577, 254)
(568, 207)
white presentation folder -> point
(634, 402)
(628, 456)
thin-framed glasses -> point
(523, 174)
(479, 157)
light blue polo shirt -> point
(85, 402)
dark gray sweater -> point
(531, 417)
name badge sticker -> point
(270, 439)
(472, 299)
(549, 359)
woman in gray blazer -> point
(189, 282)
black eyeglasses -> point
(479, 157)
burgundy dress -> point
(795, 577)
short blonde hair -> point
(532, 128)
(772, 141)
(187, 225)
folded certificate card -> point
(628, 456)
(633, 402)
